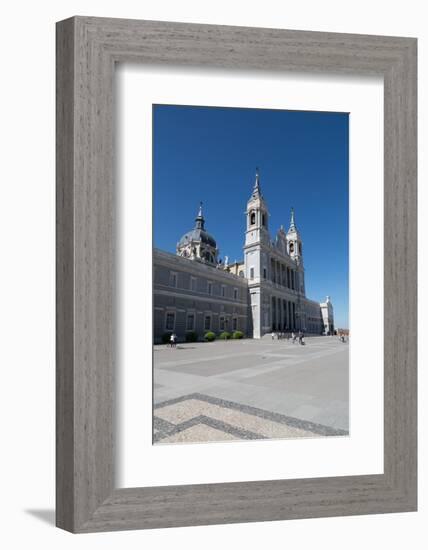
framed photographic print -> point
(236, 274)
(254, 311)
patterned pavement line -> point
(239, 433)
(293, 422)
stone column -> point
(284, 306)
(287, 321)
(273, 314)
(276, 314)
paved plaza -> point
(251, 389)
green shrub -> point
(166, 338)
(237, 335)
(209, 336)
(225, 335)
(191, 337)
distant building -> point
(195, 292)
(327, 316)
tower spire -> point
(292, 223)
(257, 192)
(200, 220)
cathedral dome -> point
(197, 243)
(198, 235)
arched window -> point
(263, 220)
(291, 246)
(252, 218)
(300, 248)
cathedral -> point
(194, 291)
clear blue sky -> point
(210, 154)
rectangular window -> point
(223, 291)
(170, 320)
(234, 324)
(251, 272)
(235, 293)
(207, 322)
(193, 284)
(210, 288)
(221, 323)
(173, 279)
(190, 324)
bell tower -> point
(257, 243)
(294, 242)
(295, 251)
(257, 216)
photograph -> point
(250, 274)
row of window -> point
(190, 322)
(173, 278)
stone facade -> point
(195, 292)
(192, 296)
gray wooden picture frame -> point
(87, 51)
